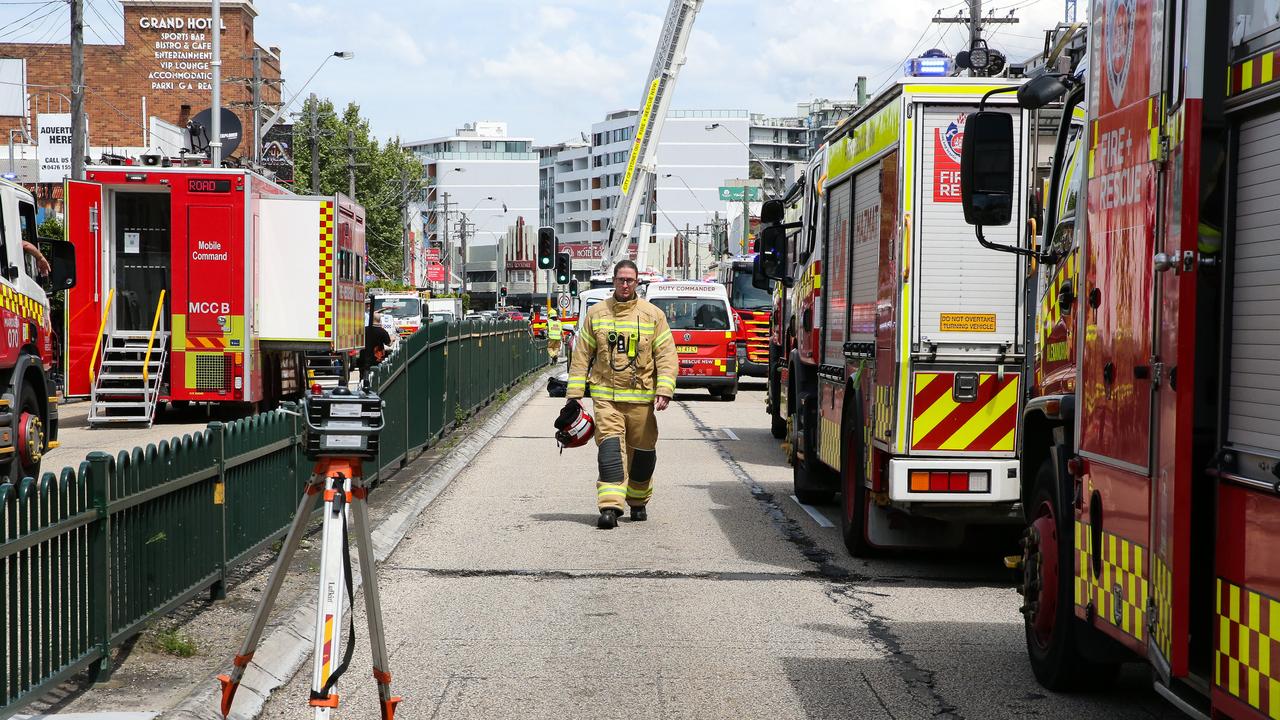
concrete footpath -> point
(153, 682)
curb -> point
(287, 647)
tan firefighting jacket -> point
(626, 350)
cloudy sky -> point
(552, 67)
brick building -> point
(164, 63)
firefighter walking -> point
(627, 351)
(555, 334)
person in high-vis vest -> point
(624, 345)
(555, 335)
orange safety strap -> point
(383, 677)
(359, 493)
(242, 660)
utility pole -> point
(256, 155)
(445, 243)
(215, 142)
(77, 91)
(404, 223)
(351, 164)
(462, 236)
(313, 142)
(975, 21)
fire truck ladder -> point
(127, 386)
(637, 181)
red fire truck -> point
(204, 285)
(903, 386)
(1150, 461)
(705, 332)
(30, 397)
(781, 328)
(754, 306)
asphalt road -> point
(732, 601)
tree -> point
(383, 170)
(756, 172)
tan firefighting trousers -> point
(553, 348)
(626, 440)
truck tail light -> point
(238, 372)
(950, 481)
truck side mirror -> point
(1040, 91)
(772, 212)
(986, 169)
(759, 280)
(62, 264)
(772, 258)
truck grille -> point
(757, 327)
(211, 371)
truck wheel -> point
(729, 393)
(1050, 622)
(853, 495)
(28, 434)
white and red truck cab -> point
(28, 395)
(705, 331)
(205, 285)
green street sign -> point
(735, 194)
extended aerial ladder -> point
(658, 89)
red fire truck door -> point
(85, 300)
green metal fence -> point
(89, 557)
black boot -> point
(608, 519)
(639, 514)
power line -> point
(33, 12)
(24, 29)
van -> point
(705, 331)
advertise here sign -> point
(53, 146)
(947, 142)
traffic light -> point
(573, 288)
(546, 248)
(503, 292)
(563, 267)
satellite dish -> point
(201, 128)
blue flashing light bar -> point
(929, 67)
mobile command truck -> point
(204, 285)
(29, 399)
(1150, 464)
(904, 383)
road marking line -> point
(817, 516)
(730, 433)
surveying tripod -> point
(342, 431)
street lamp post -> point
(344, 54)
(773, 174)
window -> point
(27, 225)
(487, 145)
(694, 313)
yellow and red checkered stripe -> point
(1119, 593)
(1253, 73)
(24, 306)
(1050, 309)
(987, 423)
(325, 311)
(1162, 623)
(883, 425)
(1247, 651)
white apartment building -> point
(478, 181)
(698, 149)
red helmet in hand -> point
(574, 427)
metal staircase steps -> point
(122, 392)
